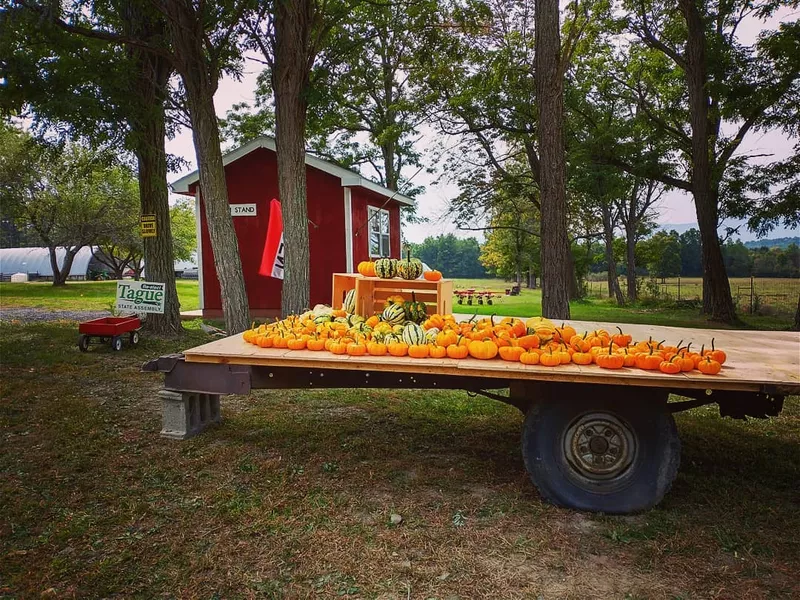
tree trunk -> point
(290, 83)
(149, 132)
(60, 274)
(717, 300)
(552, 173)
(797, 316)
(630, 248)
(200, 78)
(614, 290)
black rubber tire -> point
(116, 343)
(83, 342)
(642, 485)
(134, 338)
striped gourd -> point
(349, 304)
(409, 268)
(430, 335)
(323, 319)
(413, 334)
(390, 338)
(394, 314)
(386, 268)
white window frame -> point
(375, 215)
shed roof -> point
(348, 178)
(37, 260)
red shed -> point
(350, 219)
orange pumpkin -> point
(717, 355)
(582, 358)
(483, 349)
(315, 344)
(376, 349)
(649, 361)
(457, 351)
(609, 360)
(435, 351)
(549, 359)
(529, 358)
(366, 268)
(297, 343)
(622, 339)
(338, 347)
(433, 275)
(511, 353)
(397, 348)
(356, 349)
(671, 366)
(529, 341)
(708, 366)
(418, 351)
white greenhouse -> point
(35, 262)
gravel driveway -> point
(29, 315)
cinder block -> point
(186, 414)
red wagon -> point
(109, 328)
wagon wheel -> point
(613, 451)
(83, 342)
(134, 338)
(116, 343)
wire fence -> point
(752, 295)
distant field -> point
(598, 308)
(769, 295)
(80, 295)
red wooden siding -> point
(253, 179)
(361, 198)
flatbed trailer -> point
(593, 439)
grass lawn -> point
(81, 295)
(529, 302)
(291, 496)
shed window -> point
(378, 232)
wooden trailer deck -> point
(758, 361)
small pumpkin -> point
(418, 350)
(671, 366)
(433, 275)
(622, 339)
(457, 350)
(529, 357)
(297, 343)
(649, 361)
(582, 358)
(717, 355)
(511, 353)
(708, 366)
(356, 349)
(482, 349)
(366, 268)
(316, 344)
(435, 351)
(549, 359)
(397, 348)
(609, 360)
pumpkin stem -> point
(620, 330)
(610, 346)
(688, 346)
(702, 349)
(679, 344)
(712, 345)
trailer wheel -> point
(116, 343)
(134, 338)
(83, 342)
(612, 453)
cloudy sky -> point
(676, 208)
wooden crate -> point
(372, 292)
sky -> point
(676, 207)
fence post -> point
(679, 288)
(752, 295)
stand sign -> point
(140, 296)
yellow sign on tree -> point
(147, 226)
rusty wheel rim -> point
(600, 446)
